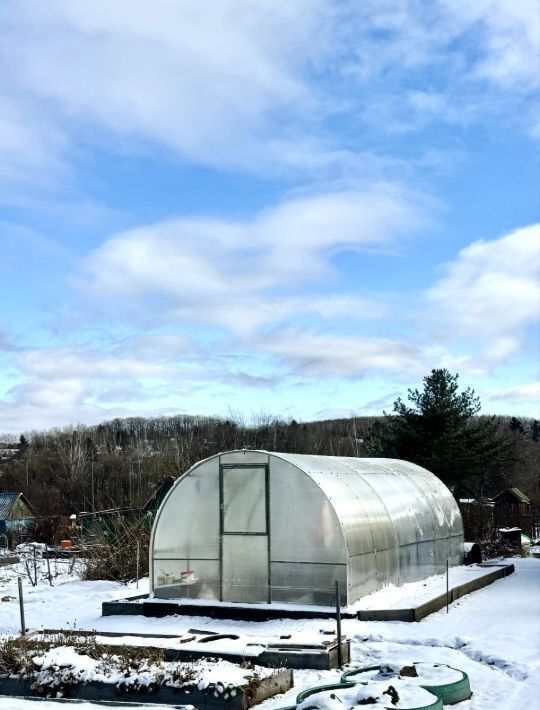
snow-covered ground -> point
(493, 634)
(20, 704)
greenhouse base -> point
(440, 601)
(142, 605)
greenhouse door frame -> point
(237, 538)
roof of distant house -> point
(8, 500)
(519, 495)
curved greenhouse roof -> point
(258, 526)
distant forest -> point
(121, 462)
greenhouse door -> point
(244, 533)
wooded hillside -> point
(121, 462)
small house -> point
(16, 513)
(513, 502)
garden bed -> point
(87, 671)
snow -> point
(410, 696)
(428, 674)
(323, 701)
(20, 704)
(493, 635)
(509, 529)
(62, 664)
(413, 594)
(388, 597)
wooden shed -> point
(16, 512)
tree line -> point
(121, 462)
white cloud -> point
(31, 145)
(508, 36)
(67, 378)
(84, 363)
(6, 342)
(146, 374)
(487, 299)
(326, 355)
(244, 315)
(528, 392)
(59, 385)
(224, 272)
(491, 293)
(514, 400)
(156, 347)
(251, 84)
(454, 61)
(205, 81)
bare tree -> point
(74, 457)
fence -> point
(481, 521)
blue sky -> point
(291, 208)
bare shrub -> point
(112, 552)
(16, 655)
(493, 545)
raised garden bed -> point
(196, 644)
(449, 684)
(415, 686)
(399, 694)
(87, 671)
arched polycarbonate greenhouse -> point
(256, 526)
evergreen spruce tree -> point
(22, 446)
(439, 431)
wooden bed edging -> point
(266, 688)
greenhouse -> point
(262, 527)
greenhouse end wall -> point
(259, 527)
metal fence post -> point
(338, 626)
(447, 588)
(21, 606)
(138, 560)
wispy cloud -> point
(207, 84)
(322, 355)
(32, 146)
(62, 384)
(250, 85)
(482, 58)
(526, 393)
(477, 299)
(311, 121)
(6, 343)
(508, 35)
